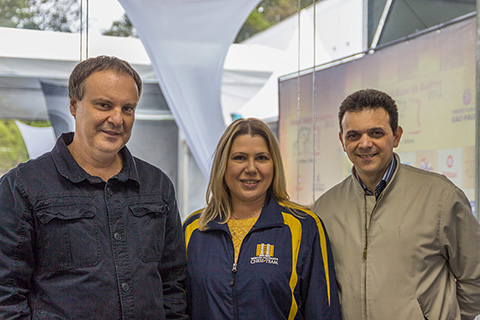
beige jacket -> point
(412, 255)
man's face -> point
(368, 140)
(104, 116)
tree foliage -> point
(51, 15)
(121, 28)
(265, 15)
(12, 147)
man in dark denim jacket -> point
(87, 231)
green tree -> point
(12, 147)
(121, 28)
(267, 14)
(52, 15)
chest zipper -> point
(234, 295)
(368, 219)
(234, 272)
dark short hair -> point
(76, 83)
(369, 99)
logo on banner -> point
(264, 254)
(450, 161)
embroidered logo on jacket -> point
(264, 254)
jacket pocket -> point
(149, 227)
(67, 237)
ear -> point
(73, 106)
(341, 140)
(396, 136)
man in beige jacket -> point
(405, 242)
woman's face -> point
(250, 170)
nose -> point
(116, 117)
(365, 141)
(251, 167)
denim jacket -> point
(73, 246)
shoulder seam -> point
(190, 216)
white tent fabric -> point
(247, 69)
(37, 140)
(187, 41)
(56, 98)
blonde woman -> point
(253, 253)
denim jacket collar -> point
(69, 168)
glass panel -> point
(411, 16)
(432, 79)
(51, 15)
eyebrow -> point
(245, 153)
(368, 130)
(104, 100)
(97, 100)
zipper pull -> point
(234, 271)
(365, 253)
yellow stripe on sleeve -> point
(296, 230)
(189, 230)
(323, 246)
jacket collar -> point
(358, 186)
(69, 168)
(271, 216)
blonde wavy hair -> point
(218, 196)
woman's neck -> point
(243, 210)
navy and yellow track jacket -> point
(284, 269)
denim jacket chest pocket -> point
(149, 221)
(67, 237)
